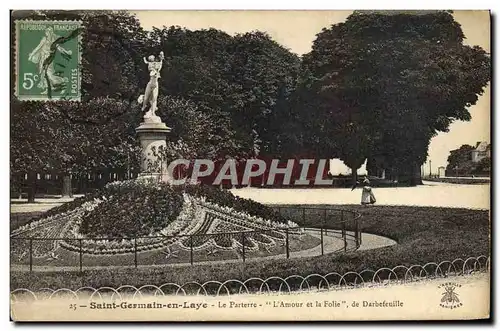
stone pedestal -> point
(152, 136)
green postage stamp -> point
(48, 57)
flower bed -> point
(224, 227)
(224, 240)
(130, 216)
(72, 205)
(38, 228)
(133, 210)
(46, 232)
(224, 198)
(244, 219)
(164, 238)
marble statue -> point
(149, 98)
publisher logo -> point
(450, 298)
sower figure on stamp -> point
(40, 55)
(151, 94)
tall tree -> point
(44, 139)
(112, 47)
(196, 68)
(263, 76)
(239, 82)
(191, 129)
(401, 77)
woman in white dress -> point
(367, 196)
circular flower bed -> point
(136, 211)
(131, 216)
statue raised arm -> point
(151, 93)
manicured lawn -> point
(424, 234)
(460, 180)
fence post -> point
(81, 253)
(322, 241)
(324, 218)
(191, 249)
(343, 223)
(344, 236)
(31, 254)
(135, 252)
(287, 244)
(243, 245)
(358, 236)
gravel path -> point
(431, 194)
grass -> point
(460, 180)
(424, 234)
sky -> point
(297, 30)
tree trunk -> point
(354, 176)
(31, 186)
(416, 176)
(84, 181)
(67, 191)
(104, 178)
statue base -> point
(152, 135)
(150, 118)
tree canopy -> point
(240, 82)
(376, 86)
(388, 83)
(215, 91)
(89, 135)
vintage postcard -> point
(250, 165)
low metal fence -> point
(330, 281)
(329, 230)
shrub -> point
(71, 205)
(132, 210)
(225, 198)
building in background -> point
(482, 150)
(441, 172)
(470, 160)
